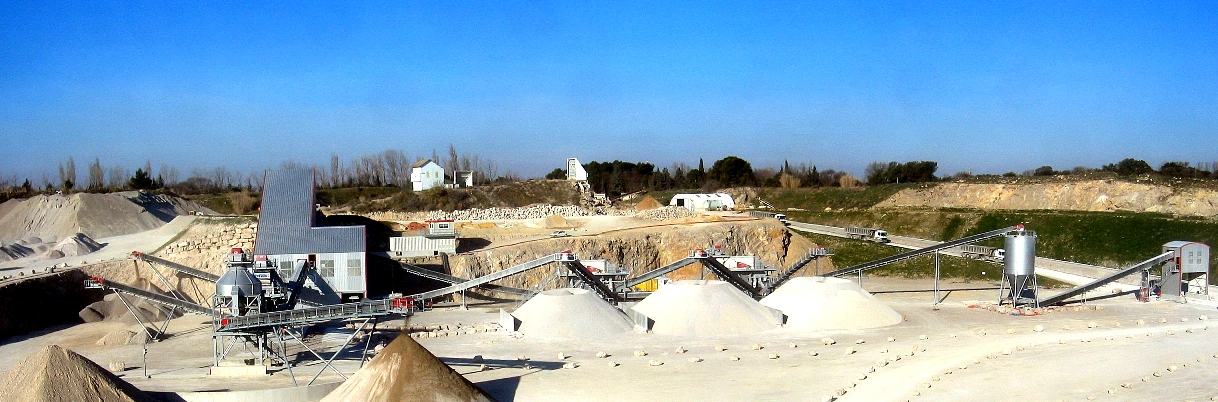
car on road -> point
(559, 233)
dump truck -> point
(982, 253)
(868, 234)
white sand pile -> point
(818, 303)
(705, 308)
(96, 215)
(405, 371)
(77, 245)
(571, 313)
(58, 374)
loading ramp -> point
(1139, 267)
(923, 251)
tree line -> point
(619, 177)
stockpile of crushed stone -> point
(405, 371)
(58, 374)
(571, 313)
(96, 215)
(705, 308)
(21, 248)
(666, 213)
(647, 203)
(819, 303)
(74, 246)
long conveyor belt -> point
(449, 279)
(101, 283)
(487, 278)
(656, 273)
(207, 276)
(366, 308)
(922, 251)
(1144, 265)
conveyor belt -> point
(785, 275)
(579, 270)
(494, 276)
(911, 254)
(367, 308)
(207, 276)
(100, 283)
(1144, 265)
(656, 273)
(728, 276)
(449, 279)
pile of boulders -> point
(224, 239)
(529, 212)
(666, 213)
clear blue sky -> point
(988, 87)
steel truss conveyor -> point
(479, 281)
(363, 309)
(1140, 267)
(789, 272)
(170, 301)
(152, 260)
(658, 272)
(449, 279)
(923, 251)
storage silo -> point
(1019, 268)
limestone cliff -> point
(1093, 195)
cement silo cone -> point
(1019, 266)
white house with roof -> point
(426, 174)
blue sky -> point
(987, 87)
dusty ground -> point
(1067, 361)
(113, 248)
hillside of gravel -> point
(52, 218)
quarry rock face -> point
(1093, 195)
(642, 250)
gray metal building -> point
(288, 232)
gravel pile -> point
(529, 212)
(571, 313)
(405, 371)
(820, 303)
(666, 213)
(58, 374)
(706, 308)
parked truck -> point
(982, 253)
(868, 234)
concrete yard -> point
(967, 354)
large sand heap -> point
(405, 371)
(58, 374)
(705, 308)
(571, 313)
(818, 303)
(96, 215)
(111, 308)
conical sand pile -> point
(58, 374)
(571, 313)
(830, 303)
(647, 203)
(705, 308)
(405, 371)
(77, 245)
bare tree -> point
(117, 178)
(170, 174)
(336, 169)
(97, 175)
(67, 174)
